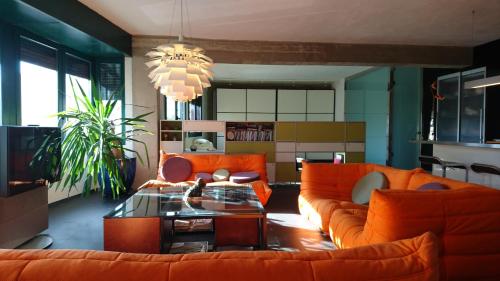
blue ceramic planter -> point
(128, 177)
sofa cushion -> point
(176, 169)
(412, 259)
(207, 177)
(365, 185)
(433, 186)
(396, 178)
(467, 222)
(316, 209)
(419, 179)
(220, 175)
(244, 177)
(346, 227)
(208, 163)
(331, 181)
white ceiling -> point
(284, 73)
(417, 22)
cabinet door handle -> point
(481, 137)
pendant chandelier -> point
(180, 70)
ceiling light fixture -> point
(481, 83)
(180, 70)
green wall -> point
(367, 99)
(406, 103)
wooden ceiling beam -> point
(301, 53)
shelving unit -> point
(249, 131)
(310, 140)
(170, 130)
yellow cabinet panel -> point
(285, 172)
(355, 157)
(356, 132)
(321, 131)
(285, 131)
(235, 147)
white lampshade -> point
(180, 70)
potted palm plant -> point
(91, 151)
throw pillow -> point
(176, 169)
(433, 186)
(364, 186)
(244, 177)
(220, 175)
(207, 177)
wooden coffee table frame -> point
(154, 235)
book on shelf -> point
(249, 132)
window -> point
(39, 84)
(78, 73)
(183, 110)
(110, 87)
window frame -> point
(13, 35)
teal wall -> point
(406, 102)
(367, 99)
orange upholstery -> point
(465, 218)
(467, 222)
(413, 259)
(326, 187)
(209, 163)
(422, 178)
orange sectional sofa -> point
(209, 163)
(406, 260)
(465, 218)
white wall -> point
(56, 194)
(143, 99)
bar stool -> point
(444, 164)
(485, 169)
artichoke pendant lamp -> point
(179, 70)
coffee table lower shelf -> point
(155, 235)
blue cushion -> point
(433, 186)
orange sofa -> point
(466, 218)
(209, 163)
(229, 231)
(406, 260)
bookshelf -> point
(170, 130)
(249, 131)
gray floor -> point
(76, 223)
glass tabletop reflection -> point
(171, 202)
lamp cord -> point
(181, 35)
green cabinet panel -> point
(355, 157)
(355, 132)
(286, 131)
(285, 172)
(237, 147)
(321, 131)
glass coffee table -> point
(145, 222)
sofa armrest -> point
(329, 180)
(346, 227)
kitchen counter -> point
(465, 144)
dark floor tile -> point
(76, 223)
